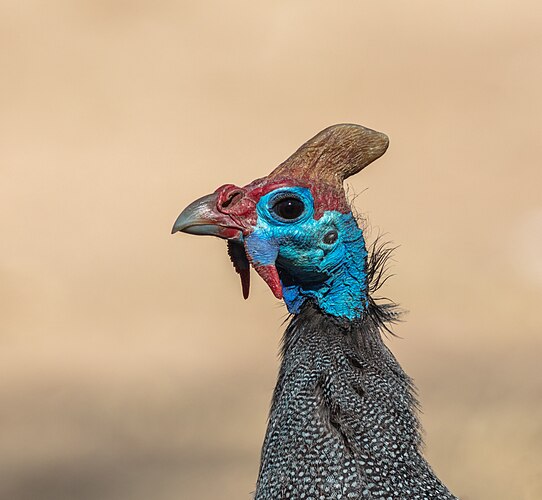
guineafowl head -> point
(295, 226)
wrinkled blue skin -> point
(334, 275)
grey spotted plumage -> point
(343, 421)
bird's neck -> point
(342, 415)
(339, 285)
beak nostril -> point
(231, 199)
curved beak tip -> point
(179, 225)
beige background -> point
(130, 367)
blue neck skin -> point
(339, 287)
(310, 266)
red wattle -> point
(270, 275)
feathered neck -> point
(343, 420)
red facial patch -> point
(240, 203)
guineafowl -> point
(343, 422)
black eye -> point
(288, 208)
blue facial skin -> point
(329, 269)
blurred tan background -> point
(130, 367)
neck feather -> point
(343, 414)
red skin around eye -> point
(244, 200)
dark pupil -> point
(289, 208)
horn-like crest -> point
(334, 154)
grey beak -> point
(202, 217)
